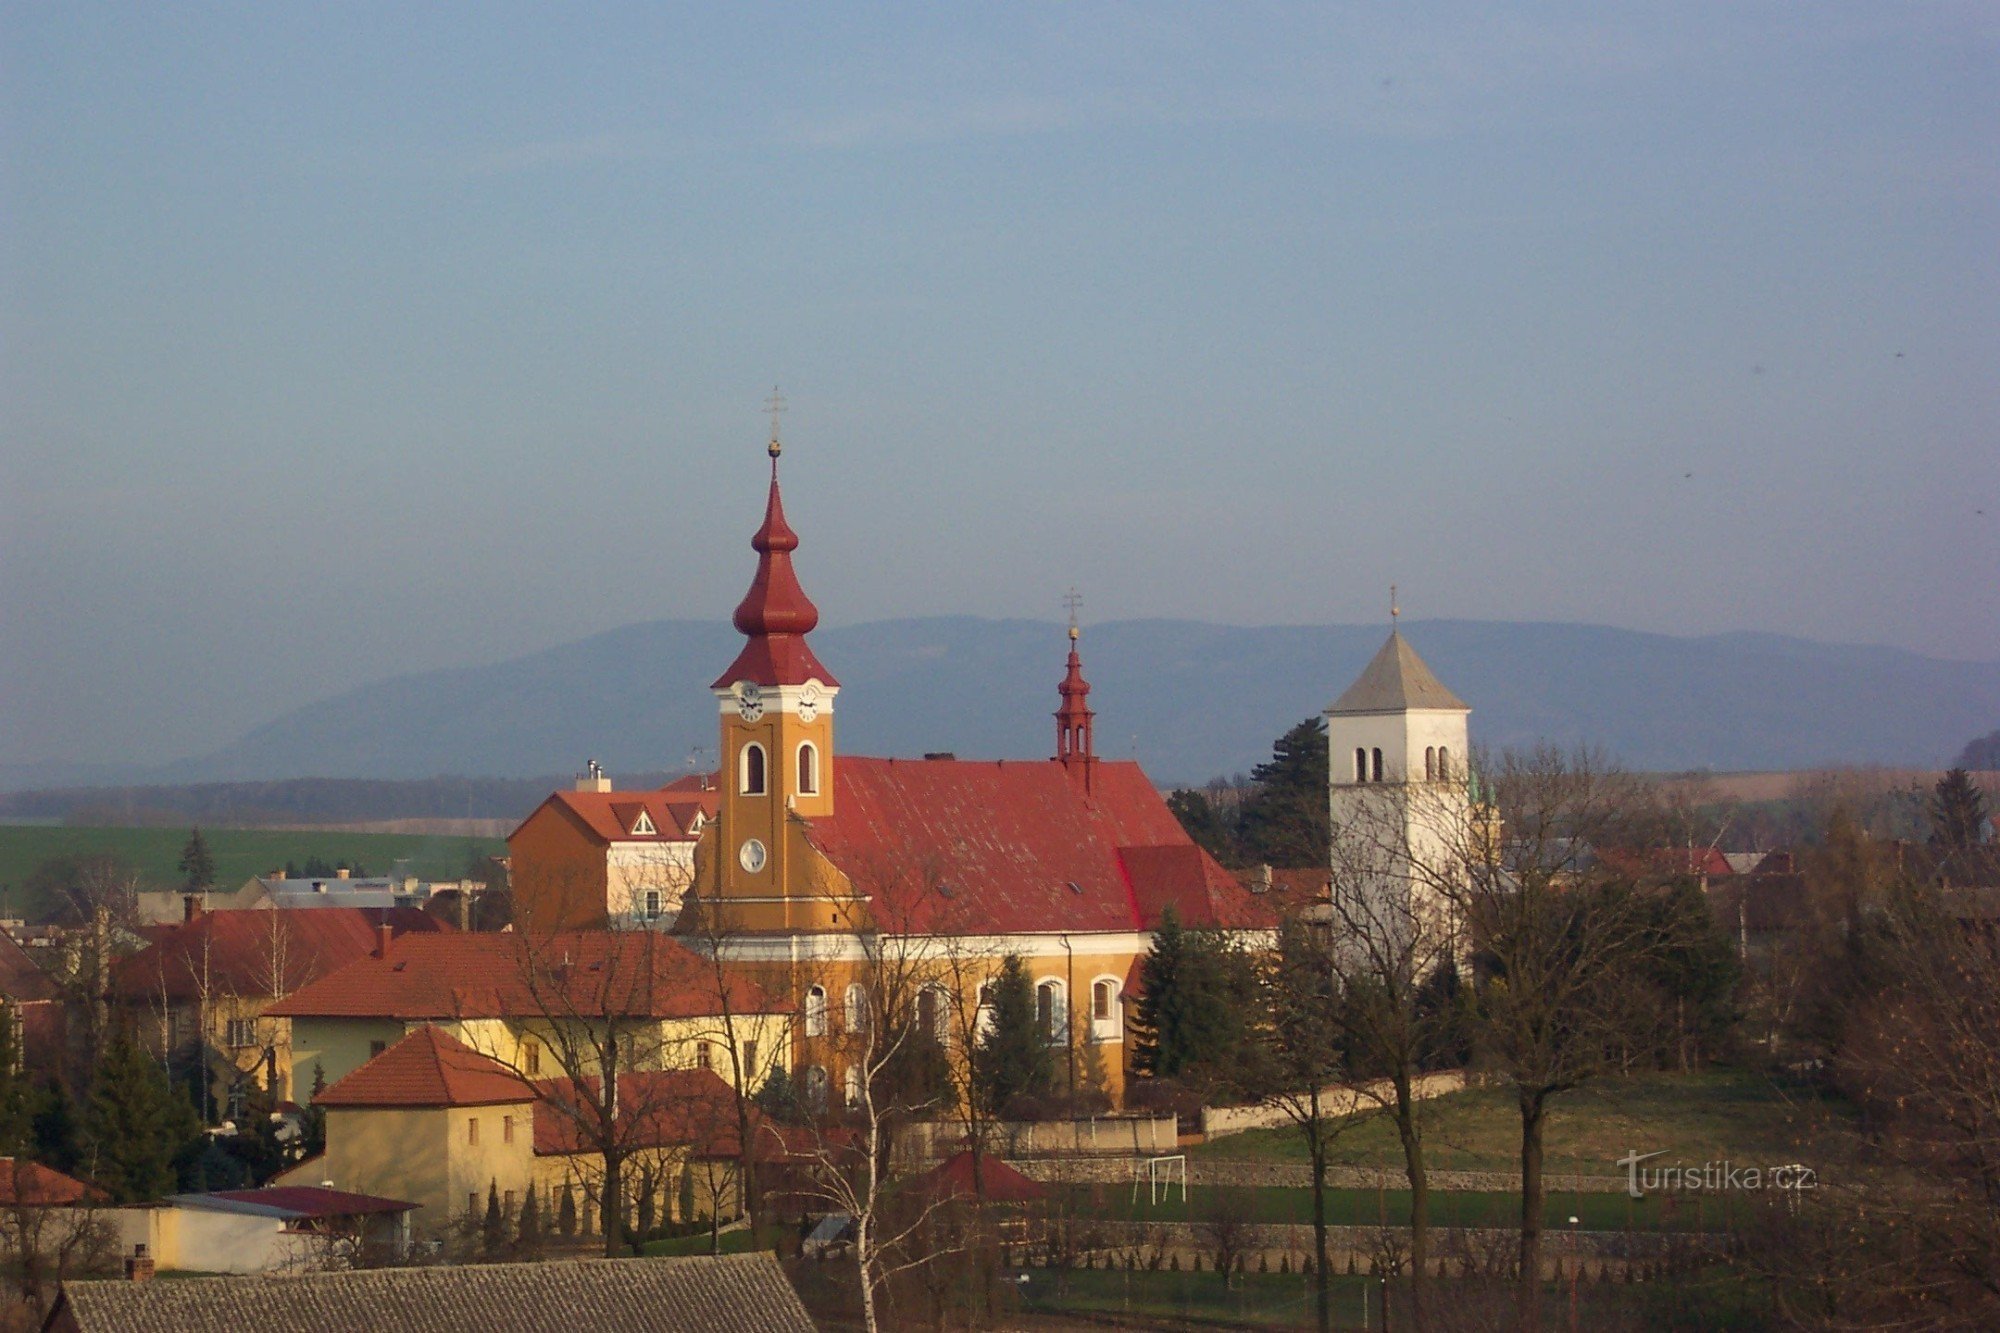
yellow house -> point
(844, 884)
(541, 1006)
(436, 1123)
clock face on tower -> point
(749, 701)
(751, 857)
(809, 702)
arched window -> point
(808, 769)
(1049, 1011)
(1430, 763)
(1360, 764)
(932, 1017)
(851, 1085)
(815, 1011)
(1104, 1009)
(1444, 764)
(1377, 755)
(753, 770)
(855, 1008)
(815, 1087)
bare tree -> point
(46, 1237)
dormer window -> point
(642, 827)
(752, 765)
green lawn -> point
(1595, 1212)
(1693, 1118)
(239, 853)
(740, 1241)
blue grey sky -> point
(342, 341)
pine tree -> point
(135, 1124)
(494, 1232)
(57, 1135)
(1202, 822)
(1012, 1057)
(197, 864)
(1957, 812)
(530, 1231)
(1286, 821)
(566, 1211)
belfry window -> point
(1360, 764)
(753, 770)
(808, 769)
(1377, 756)
(1444, 764)
(1430, 763)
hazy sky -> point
(345, 341)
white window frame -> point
(743, 770)
(1057, 1031)
(815, 1011)
(1110, 1027)
(800, 768)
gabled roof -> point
(430, 1067)
(609, 816)
(731, 1293)
(292, 1202)
(515, 974)
(241, 952)
(691, 1108)
(30, 1184)
(21, 981)
(1395, 681)
(955, 846)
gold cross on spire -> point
(775, 405)
(1073, 600)
(1394, 610)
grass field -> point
(1388, 1207)
(1257, 1300)
(239, 853)
(1692, 1118)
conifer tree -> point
(530, 1230)
(566, 1211)
(494, 1232)
(1957, 812)
(197, 864)
(1286, 821)
(135, 1124)
(1012, 1057)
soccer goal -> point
(1162, 1174)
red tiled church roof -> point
(430, 1067)
(238, 951)
(510, 974)
(1005, 847)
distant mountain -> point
(1190, 700)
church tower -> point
(1397, 747)
(1075, 749)
(776, 714)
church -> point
(845, 882)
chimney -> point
(139, 1265)
(593, 778)
(1260, 879)
(384, 933)
(340, 872)
(190, 907)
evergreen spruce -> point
(58, 1136)
(530, 1229)
(1957, 812)
(647, 1189)
(135, 1125)
(566, 1211)
(197, 864)
(494, 1232)
(1286, 821)
(1012, 1057)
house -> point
(594, 856)
(205, 989)
(529, 1000)
(435, 1121)
(31, 1006)
(272, 1230)
(743, 1293)
(816, 873)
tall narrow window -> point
(704, 1055)
(472, 1131)
(1444, 764)
(1377, 755)
(652, 904)
(815, 1011)
(852, 1080)
(531, 1057)
(1430, 763)
(815, 1087)
(506, 1129)
(1360, 764)
(856, 1006)
(808, 769)
(1049, 1013)
(753, 770)
(1100, 999)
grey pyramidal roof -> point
(1396, 681)
(744, 1293)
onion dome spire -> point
(1074, 749)
(775, 615)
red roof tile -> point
(668, 1108)
(1014, 847)
(23, 1182)
(20, 979)
(313, 1200)
(430, 1067)
(237, 952)
(510, 974)
(609, 816)
(998, 1182)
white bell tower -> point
(1398, 797)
